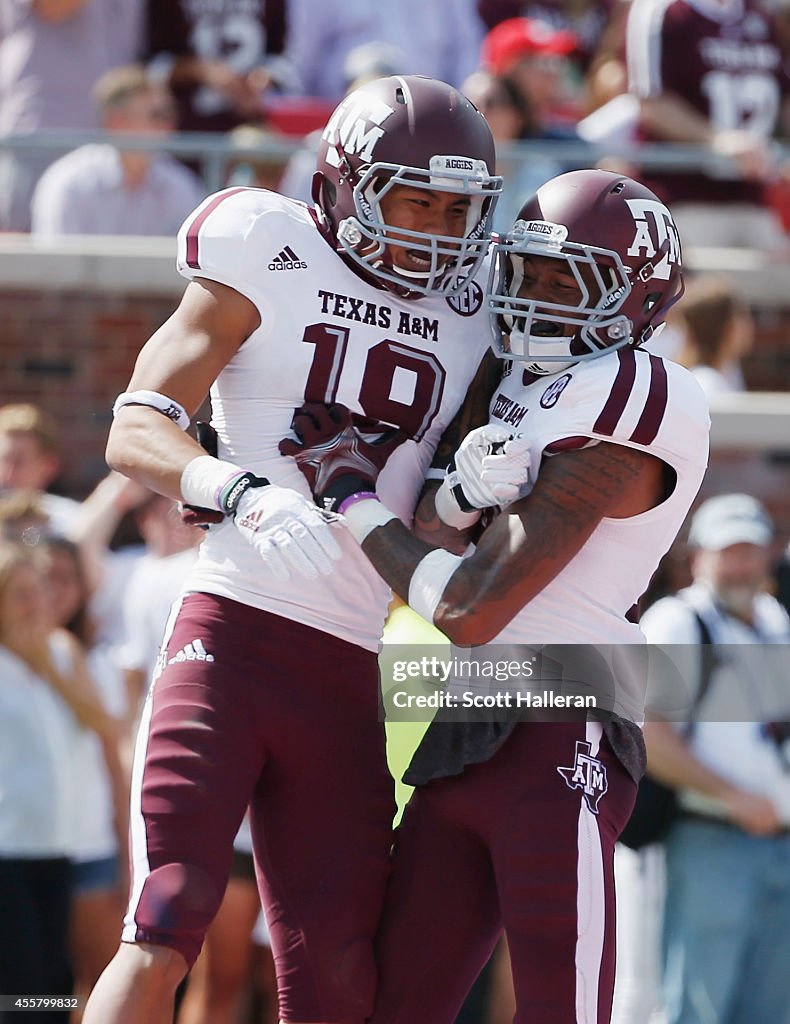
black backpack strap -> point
(708, 663)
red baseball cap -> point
(515, 38)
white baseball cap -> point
(730, 519)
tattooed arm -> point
(524, 549)
(473, 413)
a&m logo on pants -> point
(587, 774)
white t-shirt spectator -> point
(83, 193)
(95, 837)
(38, 795)
(748, 682)
(154, 586)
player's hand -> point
(287, 531)
(338, 452)
(754, 813)
(749, 153)
(491, 468)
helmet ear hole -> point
(323, 191)
(650, 301)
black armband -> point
(342, 488)
(236, 489)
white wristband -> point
(204, 479)
(429, 580)
(364, 516)
(448, 511)
(167, 406)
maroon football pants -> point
(524, 842)
(253, 709)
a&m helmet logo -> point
(356, 126)
(587, 774)
(654, 227)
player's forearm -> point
(395, 553)
(450, 592)
(471, 600)
(147, 447)
(430, 528)
(670, 117)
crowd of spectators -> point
(603, 72)
(703, 927)
(80, 627)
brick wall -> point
(72, 354)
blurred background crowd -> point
(260, 75)
(116, 118)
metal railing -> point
(215, 151)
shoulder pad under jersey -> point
(631, 397)
(233, 235)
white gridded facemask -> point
(531, 330)
(365, 237)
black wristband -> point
(457, 492)
(343, 488)
(237, 488)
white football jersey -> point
(629, 397)
(325, 335)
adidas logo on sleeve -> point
(194, 651)
(287, 259)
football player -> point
(266, 691)
(513, 823)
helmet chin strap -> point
(537, 367)
(384, 259)
(414, 275)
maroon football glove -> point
(339, 452)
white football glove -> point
(492, 468)
(287, 531)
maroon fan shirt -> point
(724, 59)
(242, 33)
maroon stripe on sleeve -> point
(655, 406)
(618, 397)
(193, 255)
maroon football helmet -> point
(406, 130)
(592, 219)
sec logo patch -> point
(552, 393)
(468, 302)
